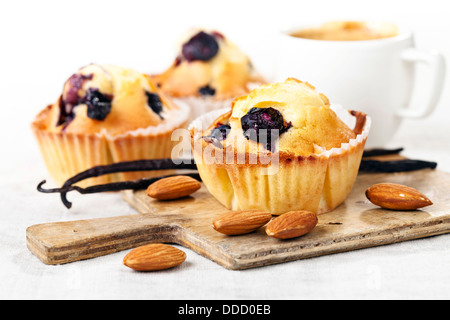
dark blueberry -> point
(221, 132)
(74, 84)
(98, 105)
(154, 102)
(71, 98)
(207, 91)
(202, 47)
(258, 123)
(63, 116)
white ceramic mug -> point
(372, 76)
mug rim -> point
(403, 34)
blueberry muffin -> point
(208, 73)
(106, 114)
(281, 148)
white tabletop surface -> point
(43, 42)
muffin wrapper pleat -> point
(67, 155)
(129, 148)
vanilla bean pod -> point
(128, 166)
(368, 166)
(381, 152)
(374, 166)
(108, 187)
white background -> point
(43, 42)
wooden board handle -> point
(64, 242)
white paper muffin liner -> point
(199, 106)
(319, 183)
(67, 154)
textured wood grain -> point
(354, 225)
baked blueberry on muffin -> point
(106, 114)
(208, 73)
(314, 153)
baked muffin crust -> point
(108, 100)
(208, 64)
(309, 124)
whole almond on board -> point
(173, 188)
(241, 222)
(152, 257)
(396, 197)
(292, 224)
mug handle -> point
(436, 62)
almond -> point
(156, 256)
(241, 222)
(173, 188)
(292, 224)
(396, 197)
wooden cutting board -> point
(354, 225)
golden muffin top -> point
(108, 99)
(290, 117)
(208, 64)
(348, 31)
